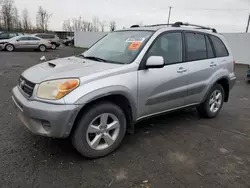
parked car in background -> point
(69, 41)
(8, 35)
(54, 39)
(25, 42)
(127, 76)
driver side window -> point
(169, 46)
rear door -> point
(224, 60)
(202, 64)
(163, 89)
(34, 42)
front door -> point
(163, 89)
(22, 42)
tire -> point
(205, 109)
(9, 47)
(83, 137)
(53, 46)
(42, 48)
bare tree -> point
(95, 24)
(103, 25)
(26, 20)
(7, 13)
(42, 19)
(16, 22)
(67, 26)
(112, 25)
(89, 26)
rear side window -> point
(33, 38)
(219, 46)
(196, 46)
(210, 52)
(23, 38)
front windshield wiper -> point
(94, 58)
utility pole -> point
(248, 23)
(169, 14)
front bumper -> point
(51, 120)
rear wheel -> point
(211, 107)
(100, 130)
(9, 47)
(53, 46)
(42, 48)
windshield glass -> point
(119, 47)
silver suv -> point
(127, 76)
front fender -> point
(108, 91)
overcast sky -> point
(232, 17)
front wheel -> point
(100, 130)
(211, 107)
(9, 47)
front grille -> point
(26, 86)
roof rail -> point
(179, 24)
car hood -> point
(70, 67)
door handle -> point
(212, 64)
(181, 70)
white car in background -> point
(25, 42)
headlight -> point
(56, 89)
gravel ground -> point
(175, 150)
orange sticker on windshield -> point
(134, 46)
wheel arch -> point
(120, 97)
(224, 82)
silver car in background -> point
(25, 42)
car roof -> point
(166, 27)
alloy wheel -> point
(103, 131)
(215, 101)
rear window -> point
(23, 38)
(219, 46)
(196, 46)
(48, 36)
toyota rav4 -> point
(128, 75)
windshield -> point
(119, 47)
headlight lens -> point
(56, 89)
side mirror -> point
(155, 62)
(17, 40)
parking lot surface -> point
(174, 150)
